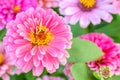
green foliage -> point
(112, 29)
(29, 76)
(83, 51)
(17, 77)
(114, 78)
(96, 75)
(77, 30)
(80, 71)
(2, 34)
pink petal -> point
(37, 70)
(5, 77)
(71, 10)
(34, 50)
(42, 51)
(84, 21)
(27, 67)
(27, 57)
(22, 49)
(51, 51)
(36, 61)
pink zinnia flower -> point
(110, 57)
(109, 48)
(50, 78)
(48, 3)
(9, 9)
(6, 63)
(38, 38)
(86, 12)
(116, 60)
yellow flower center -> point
(42, 36)
(17, 8)
(88, 3)
(1, 58)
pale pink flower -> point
(9, 9)
(50, 78)
(86, 12)
(117, 6)
(38, 39)
(48, 3)
(6, 63)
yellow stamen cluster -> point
(42, 36)
(16, 8)
(88, 3)
(1, 58)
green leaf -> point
(29, 76)
(17, 77)
(111, 29)
(2, 34)
(80, 71)
(83, 51)
(114, 78)
(77, 30)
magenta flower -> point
(86, 12)
(110, 57)
(116, 62)
(6, 63)
(48, 3)
(9, 9)
(38, 38)
(110, 51)
(50, 78)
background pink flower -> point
(50, 78)
(117, 6)
(48, 3)
(6, 63)
(86, 12)
(9, 9)
(67, 71)
(38, 38)
(110, 57)
(109, 48)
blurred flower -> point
(6, 63)
(110, 57)
(110, 51)
(117, 62)
(67, 71)
(117, 6)
(86, 12)
(48, 3)
(38, 38)
(50, 78)
(9, 9)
